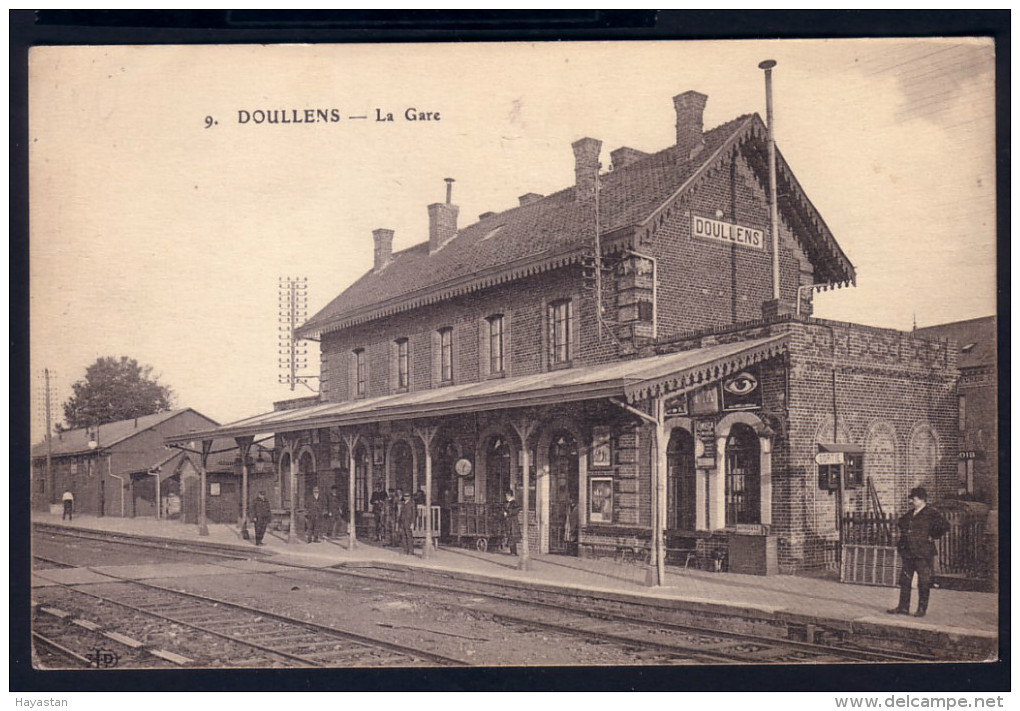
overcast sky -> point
(155, 237)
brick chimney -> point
(442, 220)
(586, 168)
(690, 123)
(624, 156)
(383, 247)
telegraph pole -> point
(50, 484)
(293, 311)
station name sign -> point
(829, 458)
(739, 235)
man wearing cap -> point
(918, 530)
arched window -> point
(743, 476)
(497, 468)
(681, 489)
(403, 467)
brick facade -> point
(665, 289)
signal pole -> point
(50, 484)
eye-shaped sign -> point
(742, 384)
(742, 391)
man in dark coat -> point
(313, 509)
(394, 505)
(333, 511)
(405, 519)
(378, 503)
(511, 523)
(918, 530)
(261, 514)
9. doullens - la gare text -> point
(297, 116)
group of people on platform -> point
(394, 514)
(325, 516)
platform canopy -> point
(632, 380)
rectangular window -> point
(854, 471)
(403, 365)
(359, 373)
(559, 332)
(496, 343)
(600, 500)
(644, 310)
(962, 424)
(446, 355)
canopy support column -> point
(244, 444)
(524, 428)
(351, 439)
(292, 533)
(427, 434)
(657, 562)
(203, 525)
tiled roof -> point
(547, 233)
(77, 441)
(975, 338)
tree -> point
(114, 390)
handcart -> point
(480, 526)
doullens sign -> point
(726, 232)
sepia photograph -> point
(485, 355)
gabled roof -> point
(556, 230)
(976, 340)
(632, 380)
(110, 434)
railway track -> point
(253, 636)
(650, 639)
(162, 545)
(682, 641)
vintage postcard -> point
(572, 354)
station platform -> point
(952, 614)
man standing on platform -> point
(261, 514)
(314, 513)
(406, 521)
(378, 503)
(333, 511)
(918, 530)
(68, 499)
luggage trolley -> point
(477, 525)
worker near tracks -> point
(261, 514)
(378, 503)
(511, 524)
(314, 513)
(405, 519)
(918, 528)
(419, 496)
(68, 499)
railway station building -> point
(639, 345)
(112, 469)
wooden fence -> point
(962, 552)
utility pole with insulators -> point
(47, 396)
(292, 352)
